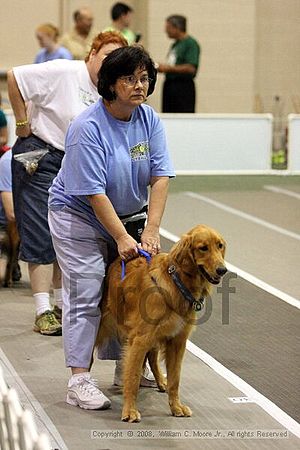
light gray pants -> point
(81, 254)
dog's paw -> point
(131, 415)
(162, 384)
(181, 410)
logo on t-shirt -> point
(86, 97)
(140, 151)
(172, 58)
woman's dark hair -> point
(121, 62)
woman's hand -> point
(23, 131)
(150, 240)
(127, 247)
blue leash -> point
(141, 253)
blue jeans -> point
(30, 195)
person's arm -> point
(8, 205)
(3, 128)
(105, 213)
(179, 68)
(18, 105)
(3, 136)
(150, 238)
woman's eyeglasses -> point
(131, 80)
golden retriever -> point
(154, 308)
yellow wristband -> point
(21, 123)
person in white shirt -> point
(45, 98)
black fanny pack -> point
(135, 223)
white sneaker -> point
(83, 391)
(147, 378)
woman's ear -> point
(113, 93)
(92, 54)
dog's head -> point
(202, 248)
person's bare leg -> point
(3, 264)
(76, 370)
(40, 277)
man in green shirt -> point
(183, 61)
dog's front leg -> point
(132, 367)
(175, 349)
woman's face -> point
(44, 39)
(131, 90)
(96, 59)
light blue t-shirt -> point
(5, 181)
(109, 156)
(61, 53)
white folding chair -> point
(18, 430)
(3, 428)
(12, 411)
(29, 438)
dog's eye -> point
(204, 248)
(220, 245)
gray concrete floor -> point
(259, 343)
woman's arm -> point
(150, 238)
(3, 135)
(18, 105)
(105, 213)
(8, 205)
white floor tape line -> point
(264, 286)
(243, 215)
(269, 407)
(273, 410)
(247, 276)
(278, 190)
(44, 423)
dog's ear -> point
(182, 250)
(224, 247)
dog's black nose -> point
(221, 270)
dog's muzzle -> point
(220, 271)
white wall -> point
(249, 47)
(202, 143)
(294, 143)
